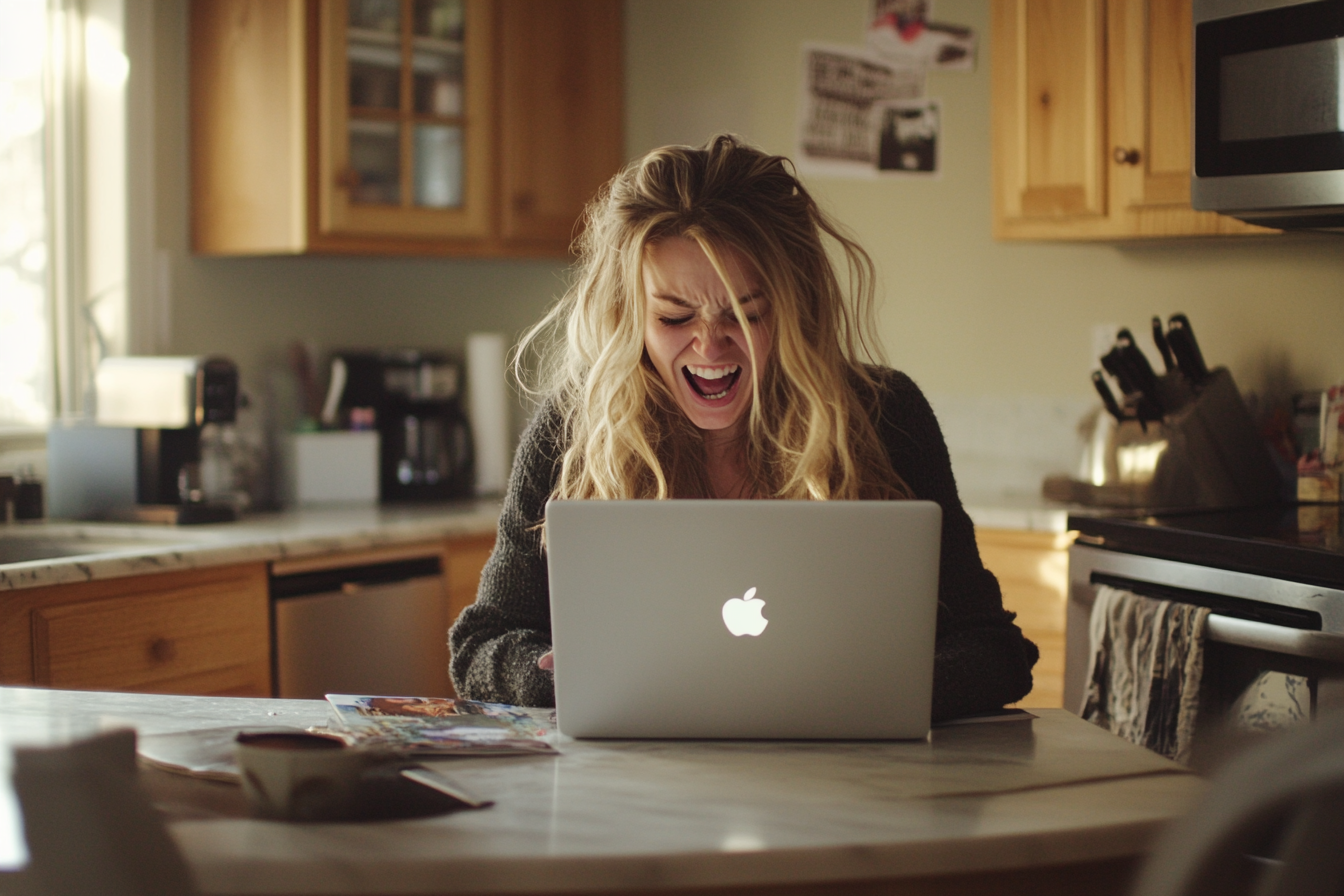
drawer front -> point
(211, 638)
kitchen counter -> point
(1003, 807)
(117, 549)
(1015, 512)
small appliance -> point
(413, 397)
(1269, 111)
(139, 459)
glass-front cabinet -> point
(405, 117)
(401, 127)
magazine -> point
(442, 726)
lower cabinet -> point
(1033, 572)
(463, 561)
(199, 631)
(203, 631)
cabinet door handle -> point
(1125, 156)
(1326, 646)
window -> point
(26, 366)
(63, 192)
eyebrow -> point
(682, 303)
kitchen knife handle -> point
(1141, 372)
(1183, 345)
(1160, 340)
(1106, 397)
(1115, 366)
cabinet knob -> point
(162, 650)
(1125, 156)
(524, 203)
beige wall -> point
(963, 314)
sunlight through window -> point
(25, 346)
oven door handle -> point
(1275, 638)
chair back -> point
(1271, 824)
(91, 830)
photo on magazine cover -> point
(442, 724)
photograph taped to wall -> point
(900, 31)
(907, 138)
(837, 127)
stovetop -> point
(1301, 543)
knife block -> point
(1215, 457)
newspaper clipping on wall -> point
(863, 111)
(843, 89)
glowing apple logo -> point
(743, 616)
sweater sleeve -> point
(496, 641)
(981, 659)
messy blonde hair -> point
(810, 429)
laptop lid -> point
(743, 619)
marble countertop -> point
(123, 549)
(652, 815)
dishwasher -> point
(380, 628)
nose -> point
(710, 339)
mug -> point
(300, 776)
(305, 777)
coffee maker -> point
(413, 397)
(166, 401)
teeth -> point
(712, 373)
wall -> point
(999, 334)
(994, 332)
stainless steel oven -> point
(1269, 111)
(1263, 626)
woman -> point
(708, 349)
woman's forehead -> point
(678, 267)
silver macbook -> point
(743, 619)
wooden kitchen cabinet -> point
(1033, 572)
(1091, 121)
(204, 631)
(415, 127)
(464, 558)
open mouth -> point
(712, 383)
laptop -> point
(743, 619)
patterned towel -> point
(1147, 661)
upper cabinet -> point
(1091, 121)
(405, 127)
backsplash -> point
(1002, 447)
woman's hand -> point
(547, 661)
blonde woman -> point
(708, 349)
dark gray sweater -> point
(981, 659)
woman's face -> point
(692, 335)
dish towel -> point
(1147, 661)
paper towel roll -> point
(487, 390)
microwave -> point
(1269, 111)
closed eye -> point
(674, 321)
